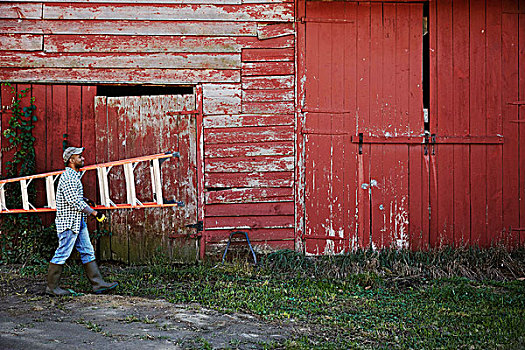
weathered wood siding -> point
(240, 51)
(65, 114)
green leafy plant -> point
(23, 238)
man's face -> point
(77, 160)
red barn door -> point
(135, 126)
(362, 119)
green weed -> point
(387, 299)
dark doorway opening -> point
(142, 90)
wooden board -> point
(283, 148)
(250, 195)
(478, 126)
(239, 120)
(20, 10)
(21, 42)
(264, 108)
(251, 134)
(135, 76)
(267, 31)
(116, 27)
(265, 55)
(249, 222)
(249, 164)
(494, 123)
(267, 68)
(280, 48)
(268, 95)
(248, 209)
(460, 103)
(444, 213)
(221, 98)
(98, 61)
(248, 12)
(268, 82)
(252, 180)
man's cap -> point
(70, 151)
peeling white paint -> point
(329, 248)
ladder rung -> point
(130, 183)
(25, 197)
(155, 181)
(50, 192)
(103, 185)
(2, 198)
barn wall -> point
(65, 114)
(240, 52)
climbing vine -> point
(23, 238)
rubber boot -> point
(53, 280)
(94, 276)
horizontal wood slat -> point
(284, 148)
(136, 76)
(139, 1)
(240, 120)
(250, 195)
(264, 1)
(267, 68)
(250, 164)
(221, 98)
(248, 12)
(248, 222)
(258, 180)
(268, 82)
(250, 209)
(252, 134)
(177, 43)
(124, 28)
(267, 55)
(255, 235)
(20, 10)
(269, 107)
(268, 95)
(267, 31)
(20, 42)
(145, 60)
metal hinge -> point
(199, 226)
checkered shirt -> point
(70, 202)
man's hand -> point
(99, 215)
(89, 202)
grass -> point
(449, 299)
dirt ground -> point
(31, 320)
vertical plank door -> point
(362, 110)
(135, 126)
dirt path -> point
(31, 320)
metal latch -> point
(360, 143)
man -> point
(72, 231)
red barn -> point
(320, 126)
